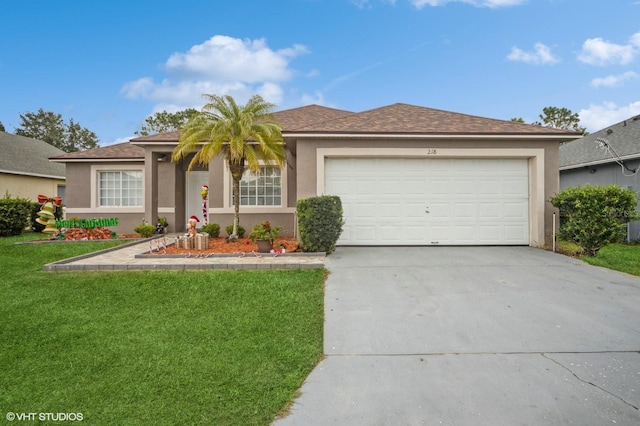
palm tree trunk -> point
(236, 175)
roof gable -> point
(27, 156)
(624, 138)
(404, 118)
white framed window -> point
(262, 188)
(120, 188)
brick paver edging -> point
(195, 255)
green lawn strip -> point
(620, 257)
(214, 347)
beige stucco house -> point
(406, 175)
(25, 169)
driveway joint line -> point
(631, 351)
(544, 355)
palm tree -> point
(244, 134)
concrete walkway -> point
(474, 336)
(131, 257)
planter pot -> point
(264, 246)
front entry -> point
(194, 182)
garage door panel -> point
(389, 201)
(364, 211)
(438, 209)
(365, 234)
(462, 187)
(464, 210)
(515, 187)
(389, 187)
(515, 233)
(516, 210)
(490, 209)
(387, 211)
(411, 187)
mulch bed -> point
(220, 246)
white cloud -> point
(493, 4)
(596, 51)
(597, 117)
(221, 65)
(614, 80)
(316, 98)
(541, 55)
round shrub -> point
(213, 229)
(145, 230)
(229, 230)
(594, 216)
(319, 223)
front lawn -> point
(215, 347)
(620, 257)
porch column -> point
(151, 186)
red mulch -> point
(219, 245)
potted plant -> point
(161, 227)
(263, 234)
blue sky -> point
(110, 64)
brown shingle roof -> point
(404, 118)
(315, 119)
(289, 119)
(124, 150)
(296, 118)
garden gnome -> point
(191, 226)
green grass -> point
(129, 348)
(620, 257)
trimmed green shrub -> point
(14, 215)
(145, 230)
(569, 248)
(213, 229)
(595, 216)
(229, 230)
(319, 223)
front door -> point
(195, 180)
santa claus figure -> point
(191, 226)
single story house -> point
(25, 169)
(608, 156)
(406, 175)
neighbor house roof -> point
(623, 138)
(26, 156)
(319, 120)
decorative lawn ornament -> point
(46, 215)
(191, 226)
(204, 192)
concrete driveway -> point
(474, 336)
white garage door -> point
(424, 201)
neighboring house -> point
(25, 169)
(609, 156)
(406, 175)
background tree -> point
(517, 119)
(49, 127)
(560, 118)
(163, 121)
(2, 127)
(244, 134)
